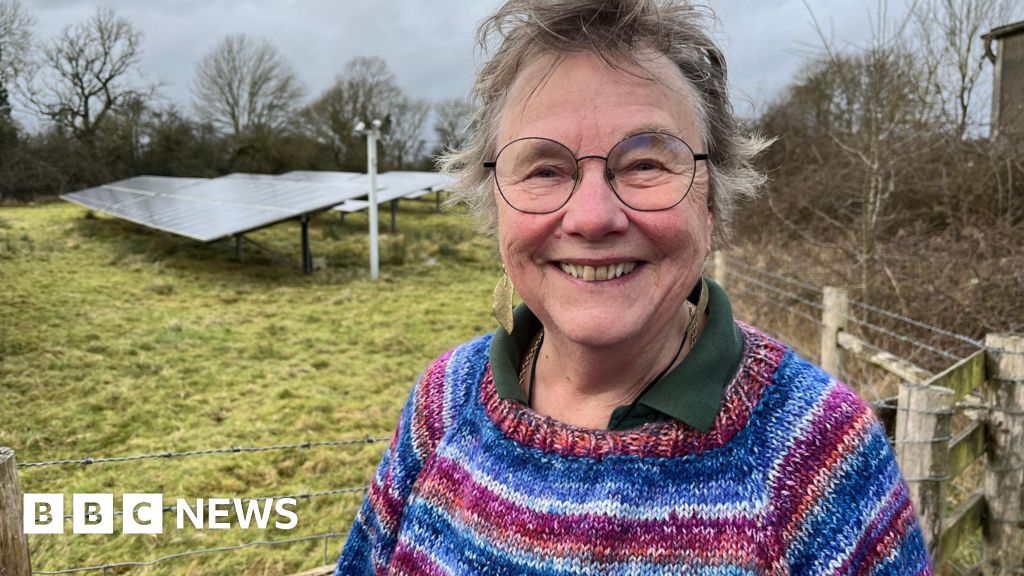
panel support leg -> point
(394, 215)
(238, 247)
(307, 255)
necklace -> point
(530, 362)
(690, 334)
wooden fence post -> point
(14, 559)
(719, 272)
(833, 319)
(1004, 472)
(923, 418)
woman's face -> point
(589, 106)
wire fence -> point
(795, 310)
(299, 496)
(303, 496)
(758, 291)
(752, 287)
(752, 276)
(230, 450)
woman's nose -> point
(594, 211)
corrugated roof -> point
(1003, 31)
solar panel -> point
(396, 185)
(326, 177)
(352, 206)
(208, 210)
(156, 183)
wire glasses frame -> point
(645, 171)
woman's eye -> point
(545, 172)
(644, 166)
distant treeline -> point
(870, 138)
(99, 120)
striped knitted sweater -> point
(794, 477)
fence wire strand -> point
(144, 563)
(886, 404)
(786, 279)
(303, 496)
(778, 304)
(776, 289)
(232, 450)
(901, 337)
(919, 324)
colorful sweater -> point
(794, 477)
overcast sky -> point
(428, 44)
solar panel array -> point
(208, 210)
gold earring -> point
(501, 301)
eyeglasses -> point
(648, 172)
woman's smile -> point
(598, 273)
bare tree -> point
(403, 140)
(949, 31)
(244, 84)
(451, 122)
(364, 91)
(87, 74)
(879, 111)
(15, 44)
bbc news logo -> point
(144, 514)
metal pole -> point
(307, 256)
(238, 247)
(394, 215)
(371, 161)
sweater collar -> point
(691, 392)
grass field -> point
(116, 340)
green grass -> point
(117, 340)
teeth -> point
(592, 274)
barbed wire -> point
(776, 289)
(778, 304)
(302, 496)
(883, 403)
(786, 279)
(936, 440)
(983, 408)
(918, 323)
(894, 315)
(107, 566)
(929, 479)
(901, 337)
(234, 449)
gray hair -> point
(615, 30)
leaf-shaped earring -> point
(501, 301)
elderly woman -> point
(622, 422)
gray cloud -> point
(430, 45)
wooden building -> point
(1008, 81)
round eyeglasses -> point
(648, 172)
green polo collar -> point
(691, 392)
